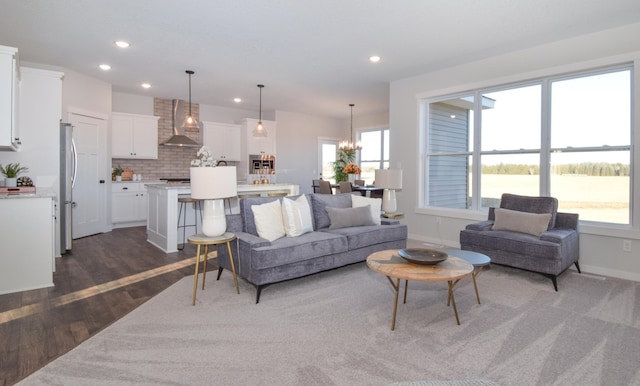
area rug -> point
(333, 328)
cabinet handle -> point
(125, 188)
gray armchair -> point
(549, 253)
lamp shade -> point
(210, 183)
(388, 178)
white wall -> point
(297, 146)
(132, 104)
(142, 104)
(601, 248)
(84, 93)
(212, 113)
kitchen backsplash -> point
(172, 162)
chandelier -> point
(350, 144)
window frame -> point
(545, 150)
(382, 161)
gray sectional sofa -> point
(549, 250)
(261, 262)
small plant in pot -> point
(116, 174)
(11, 172)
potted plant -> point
(352, 170)
(11, 172)
(116, 173)
(343, 158)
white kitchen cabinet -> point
(259, 145)
(222, 139)
(27, 240)
(9, 78)
(134, 136)
(128, 204)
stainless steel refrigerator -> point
(68, 170)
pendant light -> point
(189, 122)
(260, 131)
(350, 144)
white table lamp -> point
(213, 185)
(389, 180)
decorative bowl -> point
(423, 256)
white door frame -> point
(322, 141)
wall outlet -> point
(626, 245)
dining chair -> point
(316, 186)
(359, 182)
(345, 187)
(325, 187)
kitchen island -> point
(162, 210)
(27, 233)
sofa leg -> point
(220, 269)
(554, 279)
(258, 290)
(577, 267)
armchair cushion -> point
(524, 222)
(532, 205)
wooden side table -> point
(200, 240)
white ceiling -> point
(311, 55)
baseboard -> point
(609, 272)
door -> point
(327, 149)
(90, 135)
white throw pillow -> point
(375, 205)
(268, 219)
(524, 222)
(296, 216)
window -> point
(568, 137)
(374, 154)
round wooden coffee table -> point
(390, 264)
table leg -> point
(406, 287)
(195, 277)
(233, 267)
(204, 265)
(396, 287)
(453, 300)
(474, 274)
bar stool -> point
(197, 205)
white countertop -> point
(139, 182)
(241, 187)
(39, 193)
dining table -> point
(366, 190)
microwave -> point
(262, 164)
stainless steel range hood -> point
(178, 139)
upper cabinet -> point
(222, 139)
(9, 76)
(259, 145)
(134, 136)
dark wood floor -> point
(105, 277)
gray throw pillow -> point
(349, 217)
(320, 201)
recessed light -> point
(146, 85)
(237, 100)
(105, 67)
(122, 44)
(374, 59)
